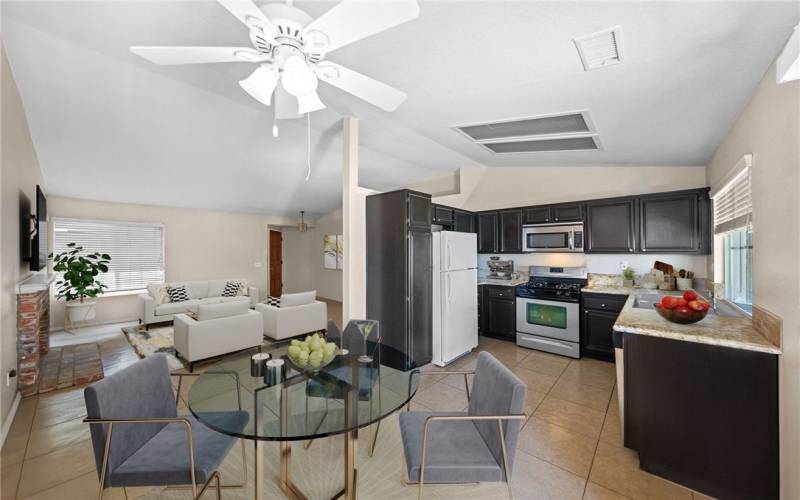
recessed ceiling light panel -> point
(600, 49)
(549, 145)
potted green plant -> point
(79, 271)
(627, 276)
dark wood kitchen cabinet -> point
(598, 314)
(536, 215)
(487, 232)
(671, 223)
(611, 226)
(463, 221)
(551, 214)
(568, 212)
(399, 279)
(442, 215)
(703, 416)
(510, 231)
(498, 314)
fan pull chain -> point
(308, 144)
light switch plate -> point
(257, 264)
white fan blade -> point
(309, 103)
(374, 92)
(352, 20)
(261, 84)
(197, 55)
(248, 13)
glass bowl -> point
(307, 368)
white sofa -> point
(219, 329)
(155, 307)
(298, 313)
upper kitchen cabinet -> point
(611, 226)
(510, 231)
(442, 215)
(674, 223)
(536, 215)
(463, 221)
(551, 214)
(487, 232)
(419, 210)
(568, 212)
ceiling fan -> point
(289, 47)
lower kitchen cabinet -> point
(498, 315)
(703, 416)
(598, 314)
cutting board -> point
(664, 267)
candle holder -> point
(257, 364)
(274, 371)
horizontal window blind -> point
(136, 249)
(733, 205)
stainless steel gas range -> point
(548, 310)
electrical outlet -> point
(11, 374)
(257, 264)
(623, 264)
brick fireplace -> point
(33, 330)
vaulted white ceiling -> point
(109, 125)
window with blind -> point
(733, 235)
(136, 249)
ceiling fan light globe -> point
(309, 103)
(261, 84)
(297, 78)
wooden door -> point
(275, 263)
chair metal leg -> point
(505, 459)
(105, 461)
(214, 477)
(178, 393)
(374, 435)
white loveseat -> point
(298, 313)
(155, 307)
(218, 329)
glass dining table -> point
(339, 399)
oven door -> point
(548, 239)
(549, 318)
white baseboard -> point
(10, 418)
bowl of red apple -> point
(685, 309)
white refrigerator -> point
(455, 295)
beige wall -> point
(769, 127)
(500, 187)
(20, 175)
(302, 258)
(199, 244)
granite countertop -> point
(490, 281)
(726, 331)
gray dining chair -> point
(476, 446)
(140, 440)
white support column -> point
(354, 278)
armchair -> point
(140, 440)
(478, 445)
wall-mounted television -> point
(39, 248)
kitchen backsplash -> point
(601, 263)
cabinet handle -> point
(602, 305)
(556, 219)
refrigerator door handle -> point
(447, 280)
(447, 255)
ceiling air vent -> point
(568, 131)
(600, 49)
(545, 145)
(555, 124)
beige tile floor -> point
(569, 448)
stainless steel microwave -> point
(552, 238)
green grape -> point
(294, 342)
(294, 351)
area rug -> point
(69, 366)
(156, 339)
